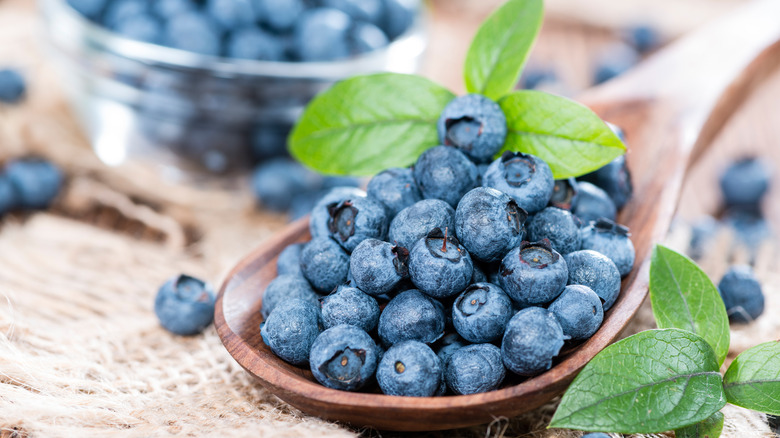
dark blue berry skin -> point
(481, 313)
(12, 86)
(92, 9)
(322, 34)
(535, 77)
(165, 9)
(356, 220)
(231, 14)
(703, 233)
(644, 38)
(593, 203)
(558, 226)
(36, 182)
(284, 288)
(749, 226)
(479, 275)
(445, 173)
(578, 311)
(194, 32)
(377, 267)
(612, 240)
(489, 223)
(615, 179)
(318, 222)
(324, 263)
(350, 305)
(565, 193)
(416, 221)
(395, 188)
(269, 141)
(742, 295)
(411, 315)
(475, 125)
(474, 369)
(291, 329)
(279, 15)
(745, 182)
(276, 181)
(184, 305)
(344, 357)
(533, 274)
(253, 43)
(596, 271)
(409, 368)
(533, 338)
(289, 261)
(398, 16)
(619, 59)
(439, 265)
(7, 196)
(366, 37)
(141, 27)
(449, 344)
(526, 178)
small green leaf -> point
(500, 48)
(366, 124)
(684, 297)
(753, 379)
(709, 428)
(570, 137)
(650, 382)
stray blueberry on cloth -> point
(596, 271)
(395, 188)
(579, 312)
(416, 221)
(533, 273)
(558, 226)
(439, 265)
(489, 223)
(526, 178)
(409, 368)
(742, 294)
(350, 305)
(377, 267)
(703, 233)
(475, 125)
(318, 223)
(285, 288)
(745, 182)
(533, 338)
(289, 260)
(474, 369)
(481, 312)
(593, 203)
(291, 329)
(411, 315)
(184, 305)
(344, 357)
(445, 173)
(355, 220)
(324, 263)
(36, 182)
(612, 240)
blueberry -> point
(745, 182)
(344, 357)
(615, 179)
(276, 181)
(742, 295)
(167, 9)
(533, 273)
(411, 315)
(578, 311)
(350, 305)
(489, 223)
(363, 10)
(8, 199)
(596, 271)
(377, 266)
(36, 182)
(534, 78)
(703, 233)
(398, 16)
(474, 369)
(617, 59)
(194, 32)
(533, 338)
(409, 368)
(184, 305)
(526, 178)
(269, 141)
(289, 261)
(416, 221)
(141, 27)
(643, 37)
(253, 43)
(365, 38)
(593, 203)
(481, 312)
(122, 10)
(565, 193)
(558, 226)
(449, 344)
(231, 14)
(750, 228)
(395, 188)
(444, 173)
(322, 35)
(12, 86)
(478, 276)
(612, 240)
(475, 125)
(318, 223)
(324, 263)
(439, 265)
(92, 9)
(284, 288)
(355, 220)
(291, 329)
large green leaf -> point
(366, 124)
(709, 428)
(753, 379)
(684, 297)
(500, 48)
(654, 381)
(570, 137)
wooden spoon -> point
(663, 106)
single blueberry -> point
(489, 223)
(558, 226)
(596, 271)
(36, 182)
(411, 315)
(444, 173)
(322, 35)
(593, 203)
(565, 193)
(745, 182)
(533, 338)
(614, 179)
(409, 368)
(324, 263)
(284, 288)
(481, 312)
(416, 221)
(253, 43)
(474, 124)
(533, 273)
(526, 178)
(749, 226)
(439, 265)
(184, 305)
(8, 199)
(355, 220)
(579, 312)
(377, 267)
(276, 181)
(195, 32)
(291, 329)
(289, 261)
(612, 240)
(742, 295)
(398, 16)
(449, 344)
(91, 9)
(344, 357)
(703, 234)
(474, 369)
(318, 223)
(12, 86)
(395, 188)
(350, 305)
(616, 60)
(363, 10)
(231, 14)
(643, 37)
(141, 27)
(366, 37)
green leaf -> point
(709, 428)
(684, 297)
(366, 124)
(753, 379)
(500, 48)
(570, 137)
(654, 381)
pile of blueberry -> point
(446, 274)
(269, 30)
(12, 86)
(28, 184)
